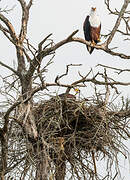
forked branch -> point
(25, 17)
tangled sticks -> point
(76, 131)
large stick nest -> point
(75, 126)
(79, 123)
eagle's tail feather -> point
(90, 49)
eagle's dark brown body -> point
(92, 28)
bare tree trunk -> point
(60, 170)
(4, 152)
(42, 168)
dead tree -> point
(50, 138)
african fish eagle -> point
(92, 28)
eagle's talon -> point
(99, 40)
(93, 43)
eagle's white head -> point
(94, 18)
(93, 10)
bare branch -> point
(8, 67)
(71, 35)
(30, 4)
(66, 73)
(102, 47)
(117, 69)
(5, 10)
(10, 27)
(70, 38)
(3, 29)
(125, 34)
(115, 176)
(107, 93)
(25, 17)
(41, 43)
(126, 2)
(8, 37)
(80, 40)
(23, 4)
(46, 52)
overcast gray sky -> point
(62, 17)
